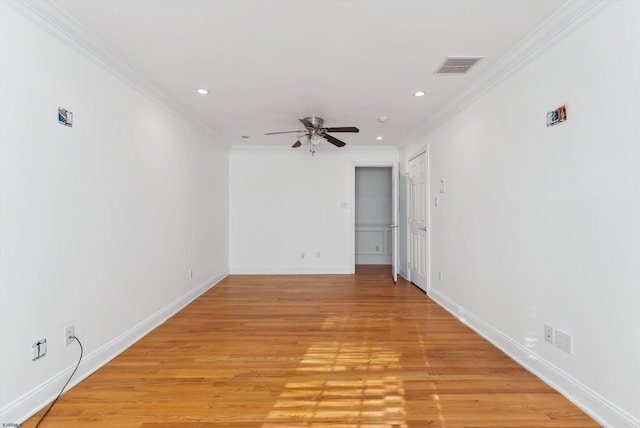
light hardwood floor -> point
(339, 351)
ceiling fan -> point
(315, 133)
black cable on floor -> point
(65, 385)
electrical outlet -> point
(564, 341)
(39, 349)
(69, 334)
(318, 254)
(35, 352)
(548, 333)
(440, 276)
(302, 256)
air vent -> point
(457, 65)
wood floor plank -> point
(313, 351)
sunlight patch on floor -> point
(362, 403)
(373, 400)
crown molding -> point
(569, 18)
(557, 27)
(50, 17)
(350, 148)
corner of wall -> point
(592, 403)
(23, 407)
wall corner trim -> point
(600, 409)
(24, 407)
(50, 17)
(564, 22)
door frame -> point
(410, 157)
(394, 165)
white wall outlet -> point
(442, 186)
(318, 254)
(440, 276)
(302, 255)
(564, 341)
(39, 349)
(548, 333)
(69, 334)
(35, 353)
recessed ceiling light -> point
(419, 94)
(378, 138)
(203, 91)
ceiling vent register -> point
(457, 65)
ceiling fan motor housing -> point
(316, 122)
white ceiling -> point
(268, 63)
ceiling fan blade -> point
(285, 132)
(334, 140)
(297, 144)
(306, 123)
(343, 129)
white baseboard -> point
(593, 404)
(373, 259)
(270, 270)
(27, 405)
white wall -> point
(100, 223)
(540, 224)
(373, 196)
(284, 202)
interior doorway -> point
(373, 215)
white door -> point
(394, 223)
(418, 221)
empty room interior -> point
(355, 214)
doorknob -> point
(424, 229)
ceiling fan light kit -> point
(316, 140)
(315, 134)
